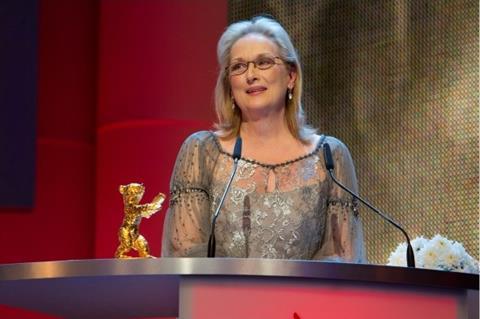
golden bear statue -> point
(128, 234)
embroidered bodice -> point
(305, 216)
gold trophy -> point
(128, 234)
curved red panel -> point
(156, 79)
(60, 225)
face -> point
(259, 90)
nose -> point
(251, 72)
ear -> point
(292, 74)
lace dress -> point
(305, 216)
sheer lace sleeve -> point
(187, 222)
(343, 236)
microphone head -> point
(237, 150)
(327, 154)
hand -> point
(159, 199)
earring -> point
(233, 104)
(290, 94)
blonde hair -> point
(229, 118)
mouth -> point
(254, 90)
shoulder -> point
(336, 145)
(201, 143)
(200, 137)
(321, 139)
(200, 140)
(194, 162)
(340, 152)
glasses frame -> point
(254, 62)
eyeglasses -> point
(261, 63)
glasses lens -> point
(237, 68)
(264, 63)
(261, 63)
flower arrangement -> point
(436, 253)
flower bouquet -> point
(436, 253)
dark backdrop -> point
(18, 101)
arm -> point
(153, 207)
(187, 222)
(343, 235)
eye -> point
(236, 67)
(264, 62)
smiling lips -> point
(254, 90)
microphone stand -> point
(237, 151)
(211, 240)
(329, 165)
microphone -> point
(327, 154)
(237, 152)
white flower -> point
(459, 248)
(418, 243)
(397, 258)
(430, 258)
(436, 253)
(471, 265)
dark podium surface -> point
(111, 288)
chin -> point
(256, 102)
(257, 106)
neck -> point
(265, 128)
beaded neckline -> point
(270, 166)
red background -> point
(121, 84)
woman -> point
(282, 204)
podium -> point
(235, 288)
